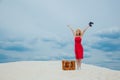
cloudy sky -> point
(36, 30)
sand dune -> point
(51, 70)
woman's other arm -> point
(71, 29)
(89, 25)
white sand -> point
(51, 70)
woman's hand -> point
(69, 26)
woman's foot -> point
(78, 68)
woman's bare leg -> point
(80, 61)
(77, 64)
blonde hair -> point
(80, 32)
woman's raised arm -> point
(71, 29)
(89, 25)
(85, 30)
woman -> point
(78, 34)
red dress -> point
(78, 48)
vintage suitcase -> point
(68, 65)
